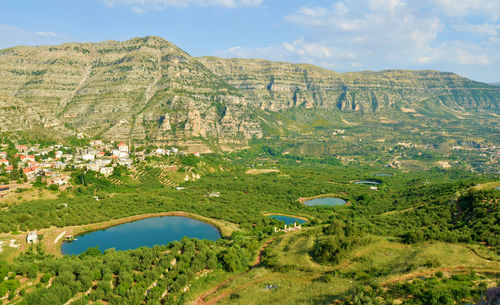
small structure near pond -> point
(32, 237)
(289, 228)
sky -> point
(461, 36)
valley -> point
(318, 187)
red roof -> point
(3, 160)
(122, 144)
(100, 153)
(22, 147)
(27, 170)
(9, 168)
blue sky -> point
(461, 36)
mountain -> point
(140, 88)
(276, 86)
(149, 89)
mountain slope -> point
(275, 86)
(149, 89)
(140, 88)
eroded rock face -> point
(147, 88)
(275, 86)
(140, 88)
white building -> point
(106, 171)
(93, 167)
(88, 157)
(123, 147)
(32, 237)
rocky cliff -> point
(149, 89)
(143, 88)
(275, 86)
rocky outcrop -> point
(148, 89)
(275, 86)
(141, 88)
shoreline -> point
(50, 234)
(294, 216)
(304, 199)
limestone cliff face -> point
(141, 88)
(274, 86)
(149, 89)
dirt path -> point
(79, 295)
(201, 299)
(408, 276)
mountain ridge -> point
(148, 89)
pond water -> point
(367, 182)
(142, 233)
(288, 219)
(325, 201)
(497, 188)
(383, 174)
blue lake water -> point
(367, 182)
(142, 233)
(383, 174)
(325, 201)
(497, 188)
(288, 219)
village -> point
(25, 165)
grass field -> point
(300, 280)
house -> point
(4, 162)
(160, 151)
(30, 173)
(106, 171)
(100, 155)
(93, 167)
(59, 181)
(125, 162)
(9, 168)
(32, 237)
(3, 155)
(123, 147)
(123, 155)
(174, 150)
(88, 157)
(96, 143)
(27, 158)
(22, 149)
(196, 154)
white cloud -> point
(140, 6)
(138, 10)
(461, 8)
(13, 36)
(47, 34)
(382, 34)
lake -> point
(288, 219)
(325, 201)
(383, 174)
(367, 182)
(142, 233)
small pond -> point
(325, 201)
(497, 188)
(142, 233)
(367, 182)
(288, 219)
(383, 174)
